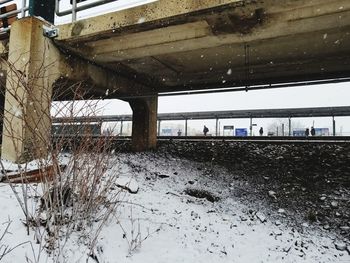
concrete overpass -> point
(169, 45)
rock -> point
(305, 225)
(281, 211)
(278, 233)
(341, 246)
(43, 217)
(163, 176)
(272, 194)
(348, 249)
(326, 227)
(127, 183)
(261, 217)
(243, 218)
(345, 228)
(322, 198)
(334, 204)
(278, 223)
(199, 193)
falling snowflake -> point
(141, 20)
(229, 71)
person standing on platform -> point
(307, 132)
(313, 132)
(205, 130)
(261, 131)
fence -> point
(8, 13)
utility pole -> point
(289, 126)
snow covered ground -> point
(162, 222)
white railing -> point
(20, 10)
(76, 8)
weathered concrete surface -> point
(183, 45)
(144, 123)
(37, 72)
(31, 70)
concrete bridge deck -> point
(179, 45)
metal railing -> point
(22, 10)
(75, 8)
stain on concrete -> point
(77, 28)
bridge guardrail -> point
(9, 13)
(75, 8)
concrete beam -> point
(112, 22)
(94, 82)
(144, 123)
(205, 33)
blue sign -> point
(299, 132)
(167, 132)
(321, 131)
(241, 132)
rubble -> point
(127, 183)
(340, 246)
(261, 217)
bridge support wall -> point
(30, 75)
(35, 67)
(144, 123)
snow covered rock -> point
(334, 204)
(127, 183)
(340, 246)
(261, 217)
(272, 194)
(281, 211)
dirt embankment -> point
(311, 180)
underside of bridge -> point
(173, 45)
(180, 45)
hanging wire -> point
(247, 65)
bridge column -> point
(27, 122)
(144, 123)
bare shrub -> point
(6, 249)
(76, 196)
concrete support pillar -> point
(144, 123)
(159, 123)
(185, 127)
(121, 128)
(251, 127)
(27, 122)
(333, 125)
(216, 127)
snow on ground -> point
(163, 223)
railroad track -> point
(256, 139)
